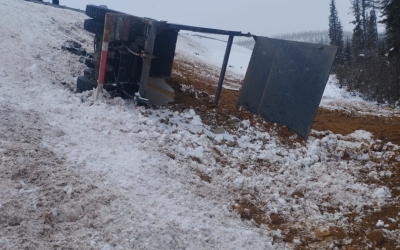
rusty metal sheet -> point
(285, 81)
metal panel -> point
(285, 81)
(149, 46)
(164, 51)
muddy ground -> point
(194, 91)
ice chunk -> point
(380, 223)
(382, 193)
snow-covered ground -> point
(107, 175)
(200, 48)
(339, 98)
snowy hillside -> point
(79, 174)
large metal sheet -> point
(164, 51)
(285, 81)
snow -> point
(380, 223)
(336, 97)
(109, 175)
(382, 193)
(208, 50)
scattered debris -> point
(73, 47)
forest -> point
(368, 63)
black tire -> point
(94, 26)
(84, 83)
(90, 63)
(97, 12)
(88, 72)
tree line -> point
(369, 62)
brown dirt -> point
(200, 97)
(248, 211)
(386, 129)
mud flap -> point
(158, 91)
(285, 81)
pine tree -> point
(364, 19)
(336, 32)
(358, 32)
(347, 52)
(391, 12)
(372, 34)
(363, 28)
(340, 44)
(333, 23)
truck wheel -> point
(89, 62)
(88, 72)
(98, 12)
(84, 83)
(93, 26)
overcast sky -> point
(260, 17)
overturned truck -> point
(133, 56)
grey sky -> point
(260, 17)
